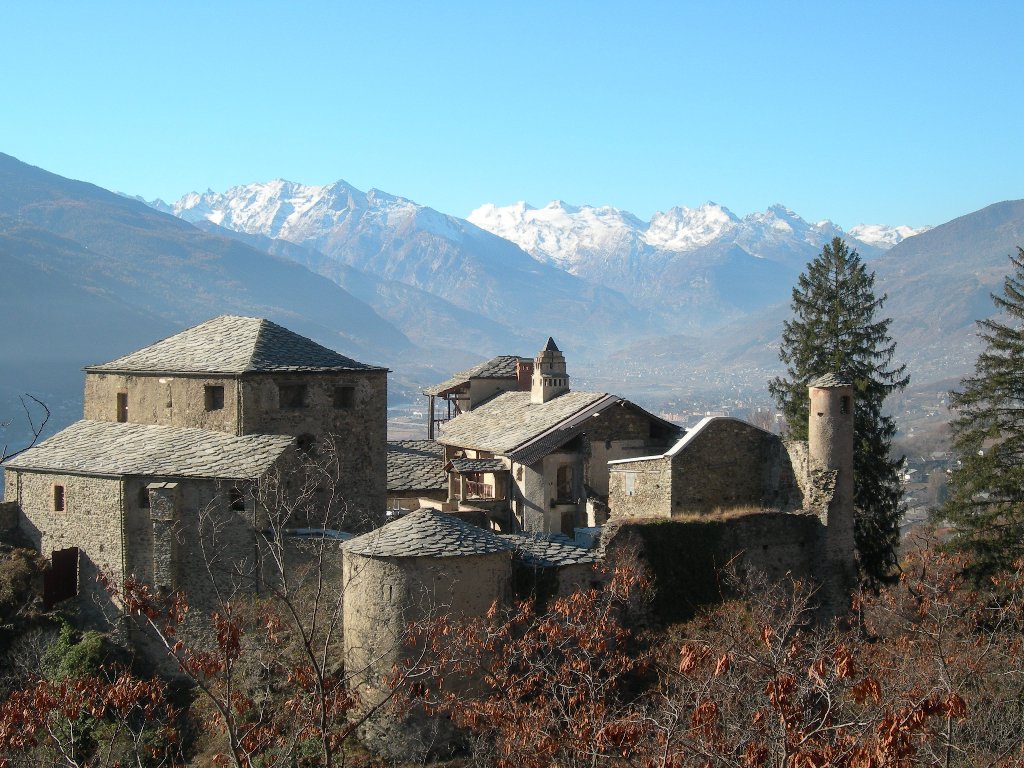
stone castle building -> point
(535, 457)
(184, 429)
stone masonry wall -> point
(171, 401)
(641, 488)
(618, 433)
(687, 557)
(91, 520)
(731, 464)
(382, 595)
(359, 429)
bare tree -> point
(37, 416)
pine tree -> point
(986, 501)
(834, 329)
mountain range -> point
(691, 300)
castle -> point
(521, 465)
(185, 428)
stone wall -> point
(91, 520)
(641, 488)
(382, 595)
(687, 557)
(722, 464)
(359, 429)
(619, 432)
(170, 401)
(731, 464)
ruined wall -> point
(687, 557)
(730, 464)
(357, 423)
(171, 401)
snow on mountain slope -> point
(883, 235)
(567, 235)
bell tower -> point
(549, 377)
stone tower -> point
(549, 377)
(830, 440)
(419, 567)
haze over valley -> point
(681, 313)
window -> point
(58, 498)
(564, 482)
(214, 396)
(344, 397)
(236, 500)
(844, 404)
(122, 406)
(291, 395)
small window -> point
(144, 497)
(344, 397)
(214, 397)
(58, 498)
(122, 406)
(844, 404)
(291, 395)
(237, 500)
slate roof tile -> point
(233, 345)
(550, 551)
(112, 448)
(500, 367)
(415, 465)
(427, 533)
(511, 420)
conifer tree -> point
(835, 329)
(986, 501)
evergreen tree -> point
(986, 501)
(834, 329)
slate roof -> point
(415, 465)
(831, 380)
(550, 551)
(510, 420)
(113, 449)
(500, 367)
(233, 345)
(427, 533)
(461, 466)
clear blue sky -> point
(894, 112)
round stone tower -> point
(423, 565)
(830, 441)
(549, 377)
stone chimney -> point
(830, 440)
(549, 377)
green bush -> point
(76, 654)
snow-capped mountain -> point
(580, 238)
(691, 267)
(883, 235)
(397, 239)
